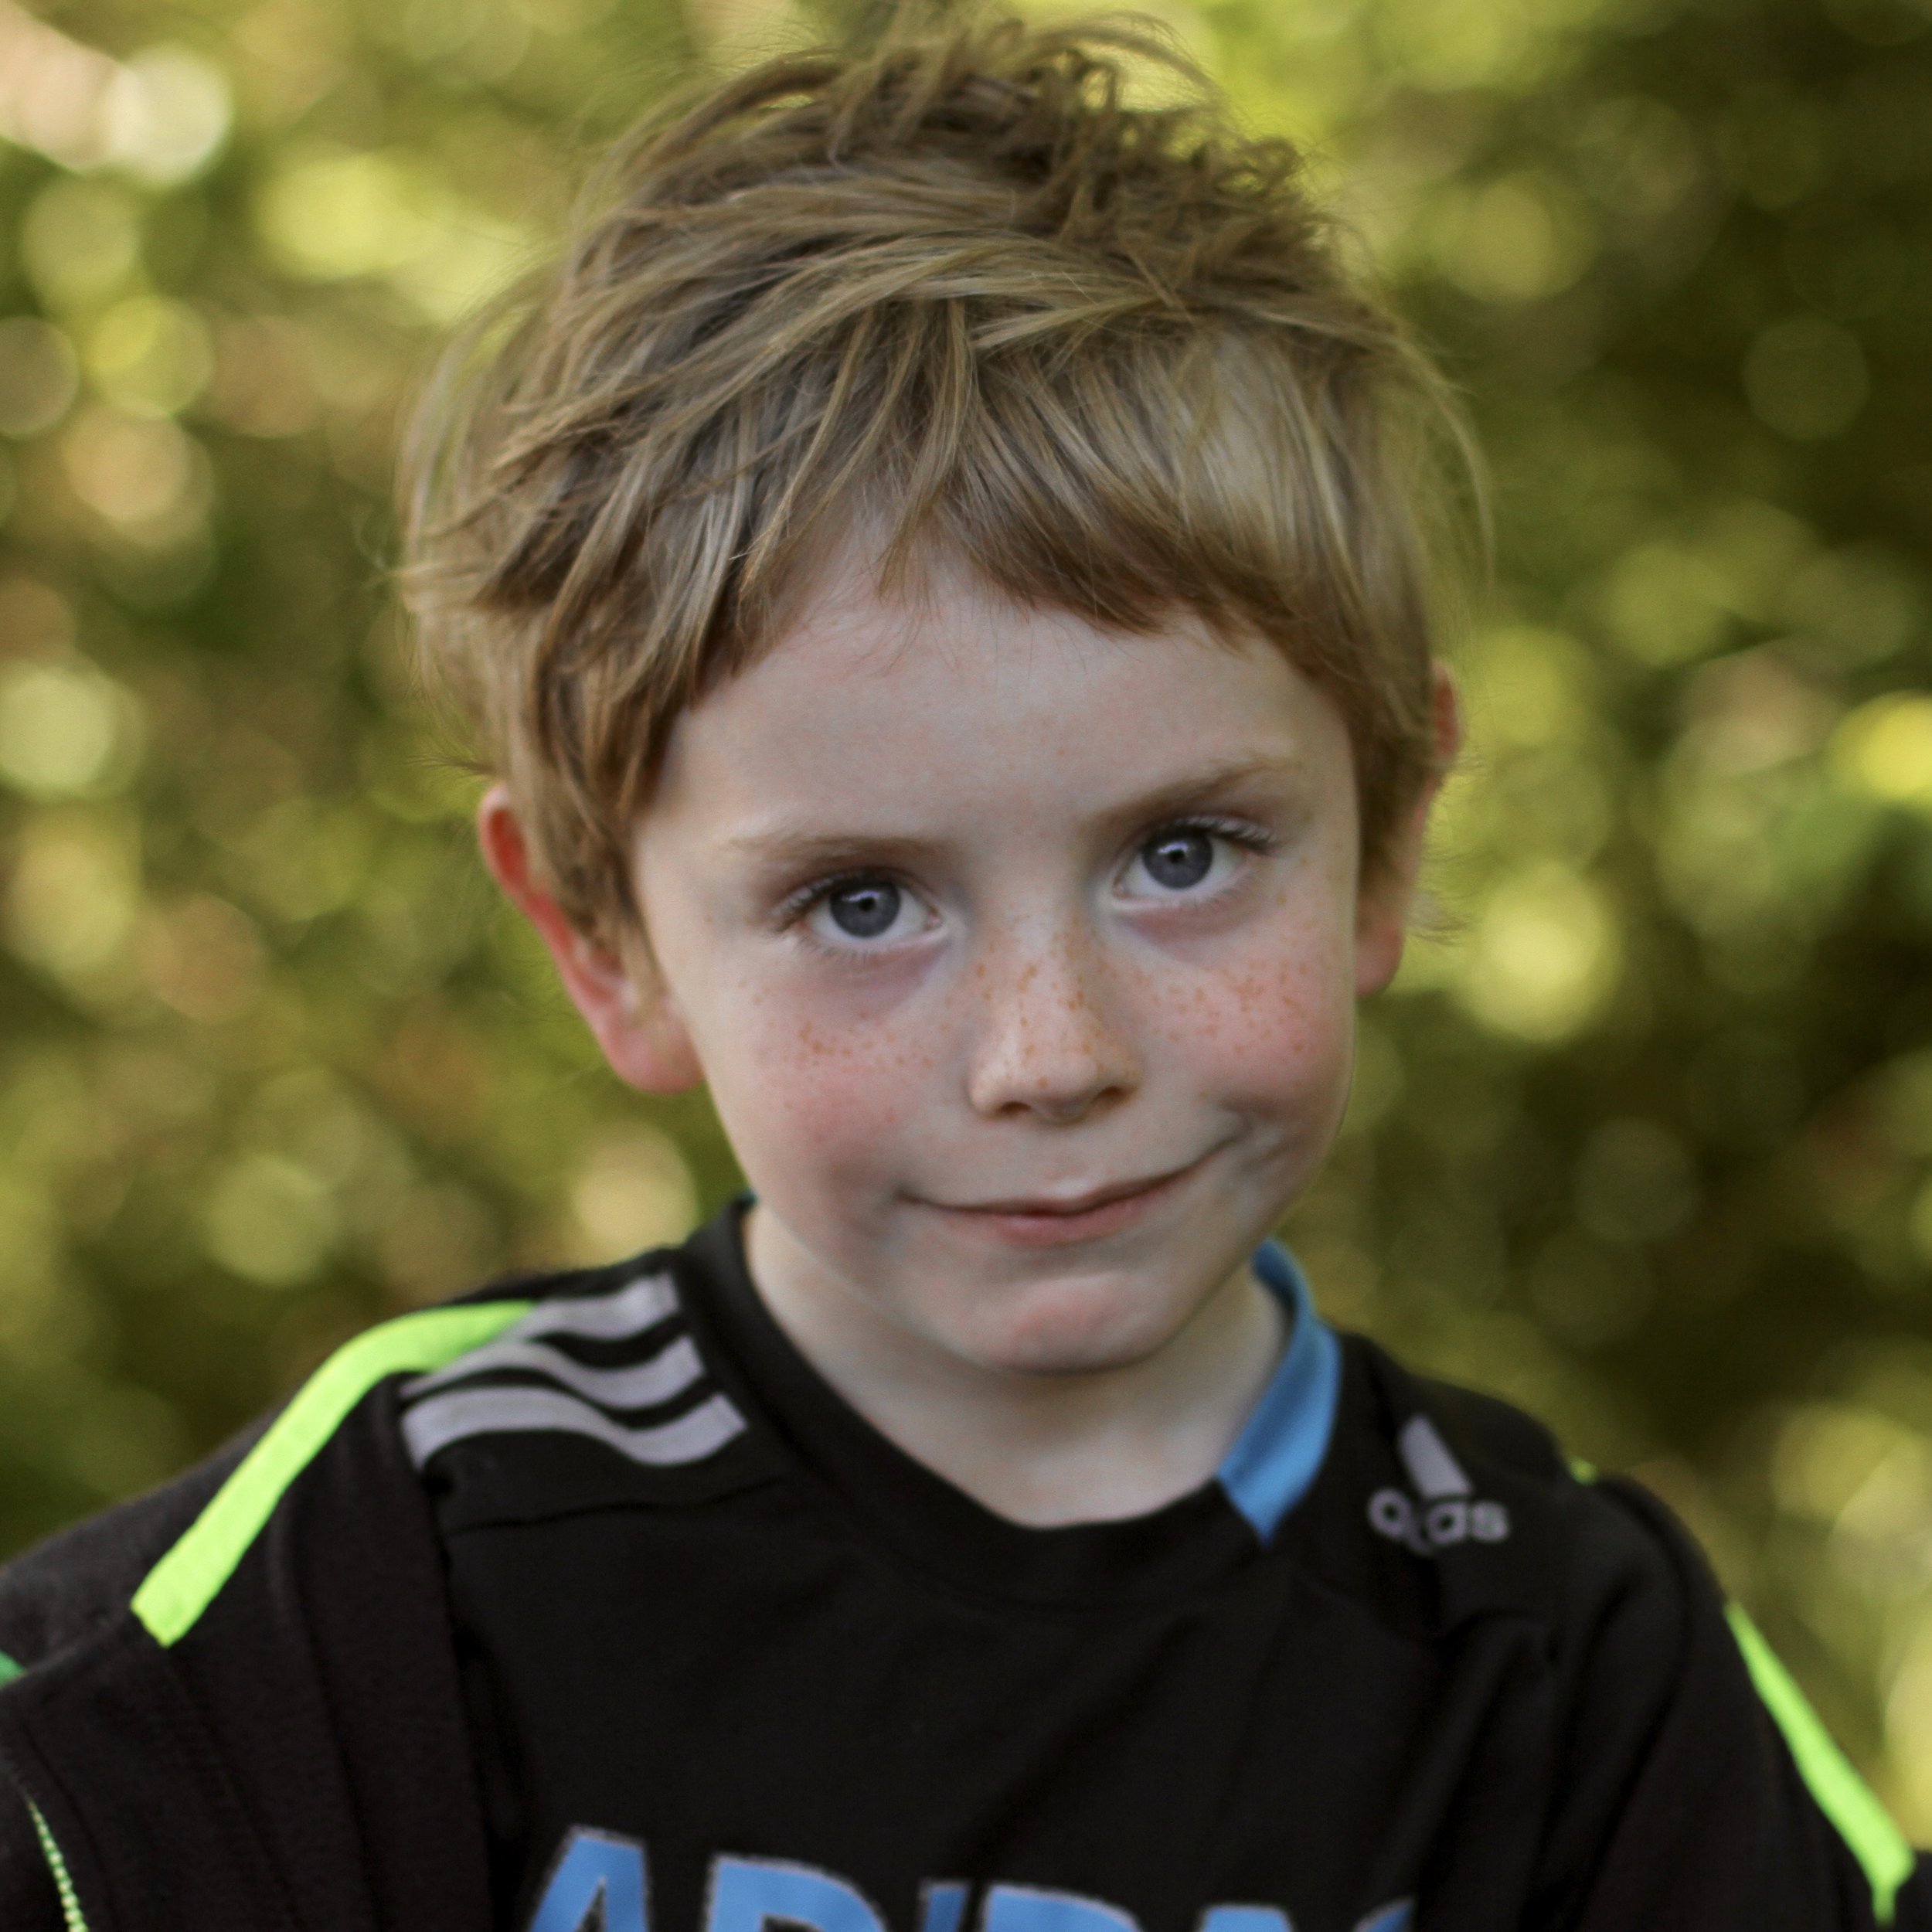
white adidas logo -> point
(1446, 1514)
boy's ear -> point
(1382, 902)
(638, 1027)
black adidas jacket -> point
(239, 1705)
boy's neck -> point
(1039, 1449)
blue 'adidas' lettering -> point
(599, 1882)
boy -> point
(933, 574)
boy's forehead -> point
(944, 626)
(868, 705)
(843, 610)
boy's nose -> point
(1049, 1042)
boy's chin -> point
(1074, 1333)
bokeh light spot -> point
(80, 242)
(63, 731)
(1884, 750)
(148, 477)
(1806, 378)
(204, 958)
(1517, 239)
(1665, 603)
(268, 1220)
(38, 376)
(74, 896)
(150, 356)
(1545, 956)
(168, 114)
(633, 1191)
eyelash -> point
(792, 912)
(1237, 831)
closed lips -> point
(1074, 1204)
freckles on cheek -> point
(1275, 1032)
(830, 1096)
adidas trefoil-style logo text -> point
(1443, 1510)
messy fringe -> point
(954, 288)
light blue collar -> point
(1281, 1446)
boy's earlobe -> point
(638, 1027)
(1383, 903)
(1382, 912)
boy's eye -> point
(864, 912)
(1180, 861)
(862, 909)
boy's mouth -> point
(1074, 1203)
(1049, 1219)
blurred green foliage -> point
(1642, 1137)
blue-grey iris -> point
(865, 911)
(1178, 859)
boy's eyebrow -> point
(1198, 786)
(782, 846)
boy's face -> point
(1020, 958)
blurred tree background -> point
(1642, 1137)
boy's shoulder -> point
(1438, 1505)
(268, 1622)
(74, 1582)
(612, 1387)
(67, 1587)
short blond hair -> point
(1106, 355)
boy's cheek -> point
(802, 1094)
(1274, 1016)
(1275, 1045)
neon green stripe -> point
(9, 1670)
(1842, 1795)
(183, 1583)
(1583, 1470)
(71, 1915)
